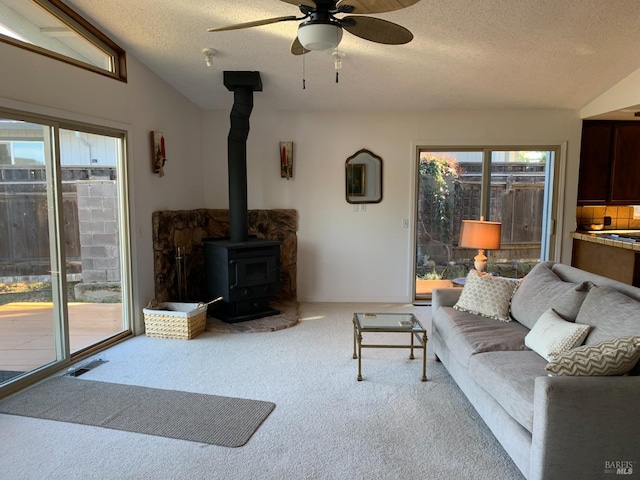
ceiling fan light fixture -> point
(208, 53)
(319, 36)
(337, 58)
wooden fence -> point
(24, 245)
(517, 200)
(24, 250)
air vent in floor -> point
(84, 368)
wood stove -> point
(244, 271)
(245, 274)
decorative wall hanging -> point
(286, 160)
(158, 157)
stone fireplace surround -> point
(187, 229)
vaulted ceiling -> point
(464, 55)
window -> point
(51, 28)
(513, 186)
(22, 153)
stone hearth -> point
(288, 317)
(187, 228)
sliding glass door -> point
(64, 249)
(513, 186)
(30, 299)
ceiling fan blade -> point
(256, 23)
(297, 48)
(375, 6)
(308, 3)
(377, 30)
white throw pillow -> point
(552, 335)
(611, 357)
(486, 295)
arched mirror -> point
(364, 177)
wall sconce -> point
(481, 235)
(158, 155)
(208, 53)
(286, 160)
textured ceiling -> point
(465, 55)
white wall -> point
(624, 94)
(345, 255)
(41, 85)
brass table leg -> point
(355, 332)
(359, 356)
(357, 340)
(411, 357)
(424, 357)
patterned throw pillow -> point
(552, 335)
(486, 295)
(611, 357)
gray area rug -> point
(212, 419)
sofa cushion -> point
(611, 357)
(467, 334)
(610, 313)
(552, 335)
(542, 289)
(486, 295)
(509, 377)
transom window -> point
(51, 28)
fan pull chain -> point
(304, 81)
(337, 60)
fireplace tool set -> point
(181, 273)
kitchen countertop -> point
(595, 237)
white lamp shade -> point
(319, 36)
(480, 234)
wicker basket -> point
(175, 320)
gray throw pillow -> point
(540, 290)
(610, 313)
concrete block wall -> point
(98, 225)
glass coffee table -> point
(405, 323)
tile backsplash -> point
(621, 217)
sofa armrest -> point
(444, 297)
(582, 424)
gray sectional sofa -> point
(553, 427)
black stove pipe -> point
(242, 84)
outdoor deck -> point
(27, 331)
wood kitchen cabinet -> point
(595, 162)
(625, 167)
(609, 163)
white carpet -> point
(326, 424)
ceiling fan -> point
(321, 29)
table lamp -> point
(481, 235)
